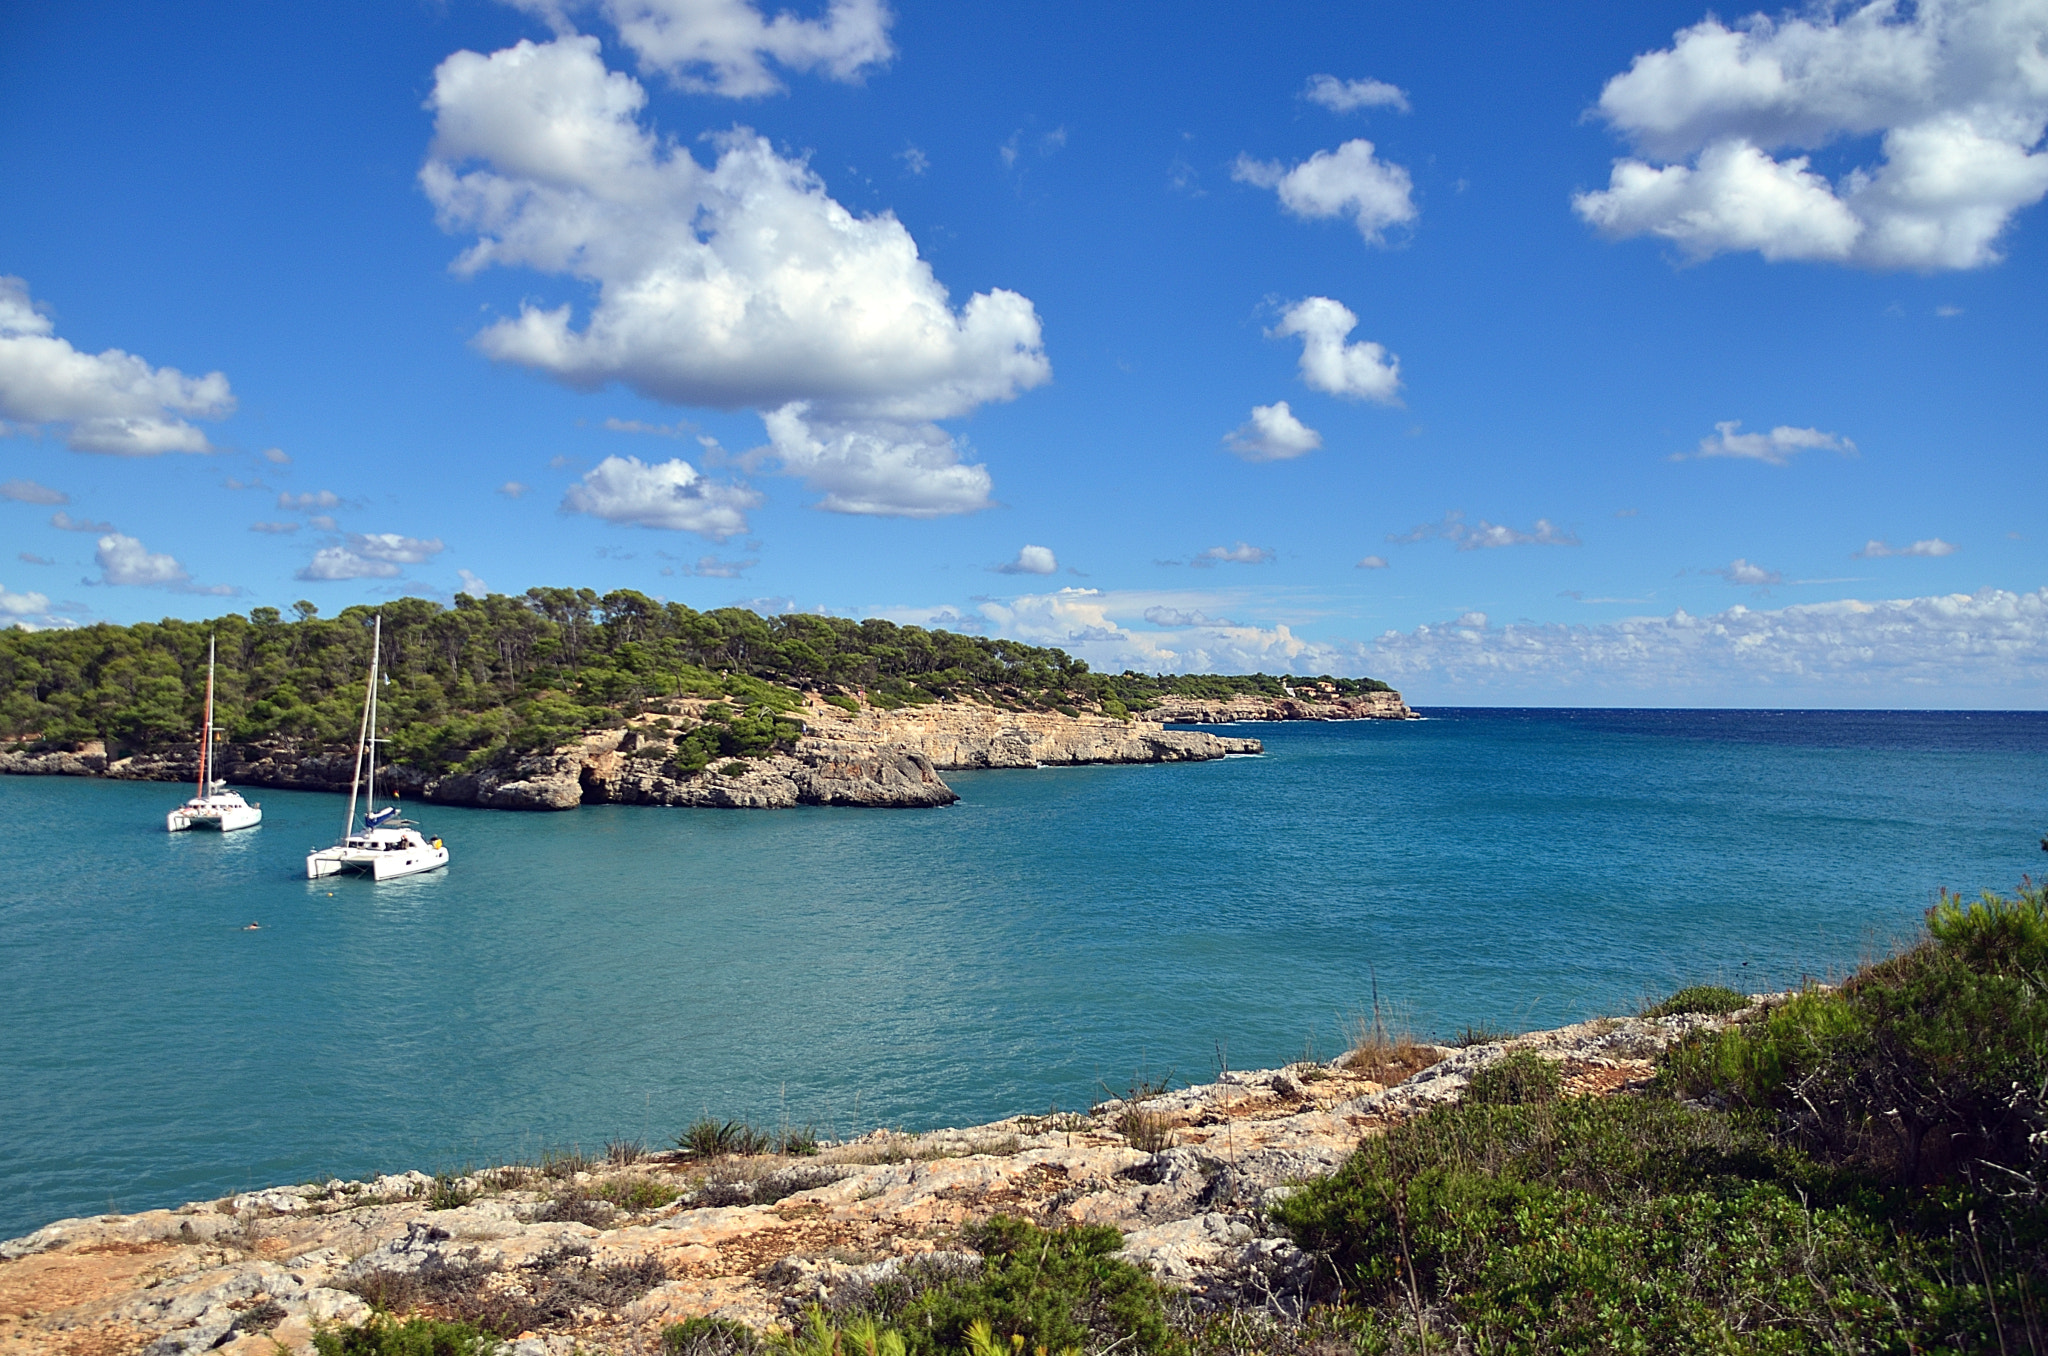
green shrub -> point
(1037, 1288)
(1706, 998)
(709, 1337)
(709, 1137)
(1517, 1079)
(635, 1192)
(382, 1336)
(448, 1193)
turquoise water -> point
(620, 970)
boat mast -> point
(370, 781)
(206, 727)
(348, 826)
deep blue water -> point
(620, 971)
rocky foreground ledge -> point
(884, 759)
(603, 1255)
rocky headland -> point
(598, 1256)
(1306, 703)
(866, 757)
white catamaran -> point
(215, 807)
(387, 846)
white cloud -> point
(1373, 563)
(914, 160)
(1175, 618)
(1914, 651)
(1740, 571)
(124, 560)
(23, 604)
(724, 46)
(274, 529)
(312, 499)
(1777, 447)
(711, 567)
(323, 523)
(471, 585)
(1273, 434)
(109, 402)
(512, 489)
(1954, 89)
(28, 492)
(276, 456)
(672, 494)
(1484, 535)
(742, 284)
(1932, 546)
(64, 522)
(1244, 553)
(877, 466)
(1031, 560)
(1085, 623)
(1360, 371)
(338, 562)
(393, 548)
(1345, 96)
(1348, 181)
(639, 426)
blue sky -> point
(1604, 353)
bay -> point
(619, 971)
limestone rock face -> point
(1306, 704)
(87, 759)
(969, 735)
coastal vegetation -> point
(488, 679)
(1859, 1169)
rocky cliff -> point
(889, 759)
(1187, 1176)
(1307, 703)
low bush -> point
(709, 1137)
(1146, 1131)
(482, 1298)
(1517, 1079)
(635, 1192)
(381, 1336)
(1705, 998)
(709, 1337)
(447, 1192)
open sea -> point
(620, 971)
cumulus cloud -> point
(512, 489)
(1174, 618)
(1740, 571)
(738, 284)
(1348, 182)
(1932, 546)
(1031, 560)
(1273, 434)
(1992, 641)
(299, 503)
(724, 46)
(28, 492)
(110, 402)
(23, 604)
(1244, 553)
(1345, 96)
(393, 548)
(1373, 563)
(672, 494)
(1777, 447)
(1484, 535)
(274, 529)
(1953, 89)
(66, 523)
(276, 456)
(1360, 371)
(124, 560)
(877, 466)
(331, 563)
(473, 586)
(1091, 624)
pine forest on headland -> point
(492, 678)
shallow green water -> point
(619, 971)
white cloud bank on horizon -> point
(1347, 182)
(739, 285)
(1273, 434)
(1874, 549)
(1956, 90)
(723, 46)
(110, 402)
(1992, 644)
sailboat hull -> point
(209, 814)
(378, 863)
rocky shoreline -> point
(1186, 1175)
(874, 758)
(1304, 703)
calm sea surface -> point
(620, 971)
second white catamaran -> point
(387, 846)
